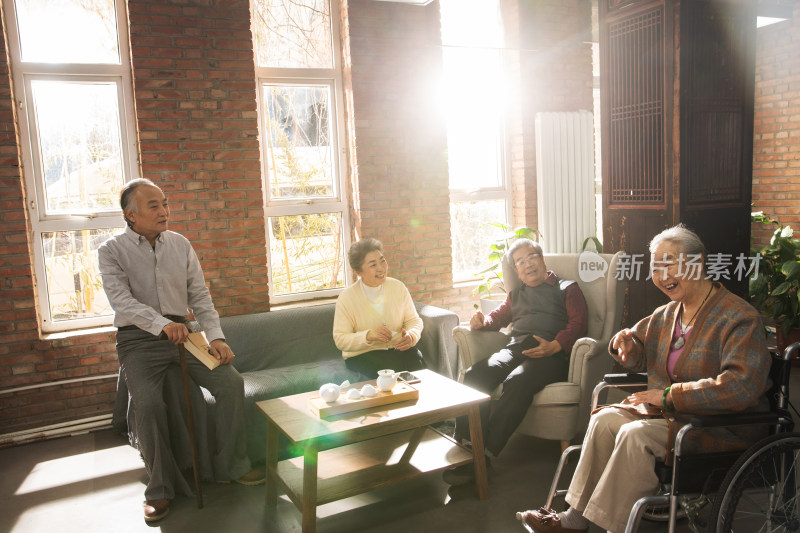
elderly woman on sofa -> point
(704, 353)
(376, 325)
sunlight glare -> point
(59, 31)
(78, 468)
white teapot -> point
(386, 380)
(330, 391)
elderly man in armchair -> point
(548, 315)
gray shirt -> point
(143, 284)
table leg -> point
(309, 510)
(478, 455)
(271, 480)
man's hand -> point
(379, 334)
(477, 321)
(220, 349)
(406, 341)
(545, 348)
(176, 333)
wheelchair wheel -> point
(661, 514)
(657, 513)
(760, 491)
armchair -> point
(560, 410)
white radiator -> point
(565, 180)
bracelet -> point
(664, 400)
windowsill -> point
(57, 335)
(302, 303)
(466, 283)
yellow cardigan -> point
(355, 316)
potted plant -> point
(775, 291)
(492, 276)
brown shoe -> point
(155, 510)
(256, 476)
(546, 521)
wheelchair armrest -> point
(625, 379)
(635, 381)
(736, 419)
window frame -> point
(22, 74)
(482, 194)
(338, 202)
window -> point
(474, 103)
(78, 144)
(300, 117)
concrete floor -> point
(95, 482)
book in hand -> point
(197, 345)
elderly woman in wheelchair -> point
(704, 353)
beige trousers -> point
(616, 467)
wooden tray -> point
(402, 391)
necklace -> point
(681, 340)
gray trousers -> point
(144, 360)
(617, 466)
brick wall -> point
(401, 142)
(196, 110)
(196, 106)
(196, 120)
(776, 139)
(555, 75)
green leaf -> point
(527, 233)
(791, 269)
(758, 284)
(598, 246)
(780, 289)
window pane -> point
(472, 235)
(474, 107)
(74, 288)
(68, 31)
(293, 33)
(306, 253)
(299, 156)
(80, 144)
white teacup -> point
(386, 380)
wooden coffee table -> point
(356, 452)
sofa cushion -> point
(277, 339)
(276, 382)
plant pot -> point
(490, 304)
(785, 340)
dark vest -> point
(540, 310)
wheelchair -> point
(751, 491)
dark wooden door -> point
(677, 109)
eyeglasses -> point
(530, 258)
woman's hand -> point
(624, 344)
(379, 334)
(406, 341)
(651, 396)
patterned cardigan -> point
(724, 367)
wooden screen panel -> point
(636, 110)
(715, 85)
(712, 169)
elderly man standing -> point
(152, 278)
(548, 316)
